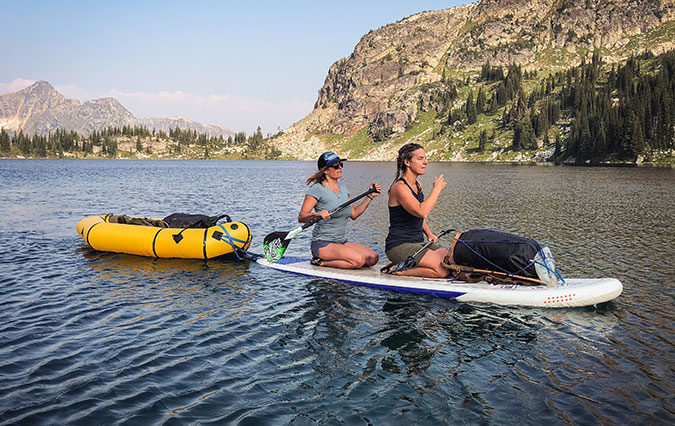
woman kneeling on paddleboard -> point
(407, 216)
(329, 245)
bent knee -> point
(368, 259)
(356, 260)
(442, 272)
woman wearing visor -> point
(329, 244)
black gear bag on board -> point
(496, 251)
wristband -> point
(369, 197)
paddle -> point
(275, 244)
(410, 261)
(496, 274)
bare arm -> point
(306, 214)
(400, 194)
(427, 231)
(358, 210)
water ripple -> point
(103, 338)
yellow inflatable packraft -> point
(196, 243)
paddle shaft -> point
(462, 268)
(424, 247)
(275, 244)
(340, 207)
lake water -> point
(102, 338)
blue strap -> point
(239, 252)
(540, 251)
(543, 263)
(492, 263)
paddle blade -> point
(404, 265)
(401, 266)
(274, 246)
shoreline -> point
(511, 163)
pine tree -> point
(500, 95)
(480, 101)
(482, 141)
(240, 138)
(528, 139)
(514, 80)
(24, 143)
(637, 139)
(518, 111)
(470, 108)
(492, 105)
(485, 71)
(542, 121)
(586, 143)
(5, 141)
(600, 152)
(523, 135)
(255, 140)
(40, 146)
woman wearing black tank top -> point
(408, 211)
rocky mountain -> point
(166, 124)
(395, 71)
(41, 109)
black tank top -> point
(404, 227)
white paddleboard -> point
(573, 292)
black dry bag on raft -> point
(183, 220)
(503, 252)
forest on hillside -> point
(139, 140)
(588, 114)
(595, 112)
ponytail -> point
(318, 177)
(405, 153)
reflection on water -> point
(89, 337)
(169, 283)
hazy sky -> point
(233, 63)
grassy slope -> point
(447, 143)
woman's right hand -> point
(439, 183)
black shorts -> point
(319, 244)
(403, 251)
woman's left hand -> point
(378, 187)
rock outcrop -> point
(395, 71)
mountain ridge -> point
(41, 109)
(396, 71)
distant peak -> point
(42, 84)
(106, 100)
(40, 87)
